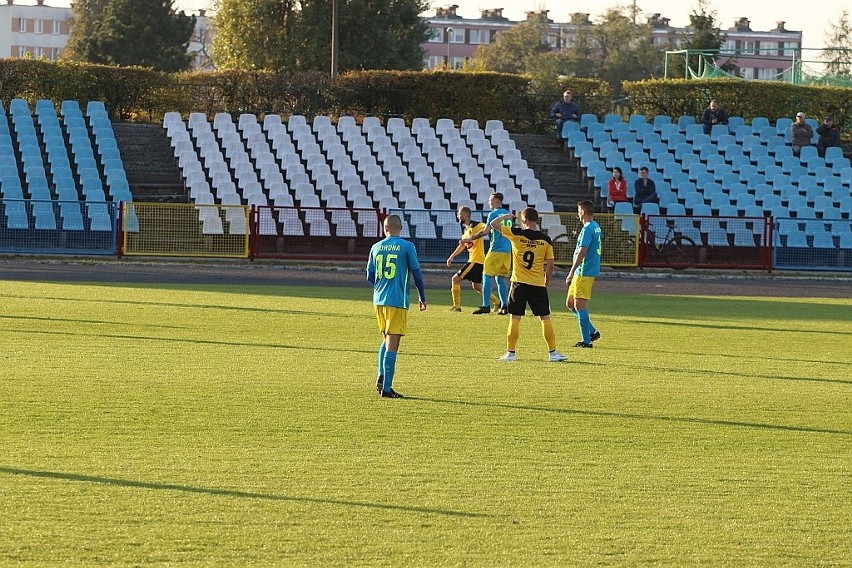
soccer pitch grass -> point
(239, 425)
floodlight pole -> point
(334, 40)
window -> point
(768, 47)
(57, 27)
(435, 61)
(54, 53)
(38, 52)
(729, 46)
(437, 35)
(790, 48)
(748, 48)
(23, 26)
(22, 51)
(457, 36)
(39, 26)
(480, 36)
(747, 72)
(457, 62)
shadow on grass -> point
(629, 416)
(229, 492)
(716, 372)
(190, 306)
(105, 322)
(735, 327)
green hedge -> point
(139, 94)
(748, 99)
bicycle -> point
(676, 249)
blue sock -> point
(486, 290)
(585, 325)
(502, 290)
(382, 350)
(390, 366)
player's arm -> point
(548, 271)
(498, 221)
(371, 272)
(581, 254)
(455, 253)
(475, 236)
(421, 288)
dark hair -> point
(643, 169)
(587, 206)
(498, 195)
(464, 209)
(620, 173)
(530, 215)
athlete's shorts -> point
(581, 287)
(521, 294)
(392, 321)
(471, 271)
(498, 264)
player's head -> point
(495, 200)
(585, 210)
(529, 217)
(463, 214)
(393, 225)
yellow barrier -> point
(619, 243)
(185, 229)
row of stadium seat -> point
(349, 165)
(719, 174)
(52, 169)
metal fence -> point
(681, 241)
(185, 229)
(57, 227)
(813, 244)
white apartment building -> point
(33, 30)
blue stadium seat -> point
(684, 121)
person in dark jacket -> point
(713, 115)
(564, 111)
(829, 135)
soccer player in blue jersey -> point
(392, 263)
(498, 261)
(584, 270)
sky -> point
(813, 19)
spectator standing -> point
(393, 262)
(645, 190)
(564, 111)
(532, 268)
(802, 133)
(713, 115)
(616, 188)
(829, 135)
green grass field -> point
(219, 426)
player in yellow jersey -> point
(472, 270)
(532, 268)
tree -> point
(615, 49)
(255, 34)
(514, 50)
(295, 35)
(148, 33)
(372, 34)
(703, 33)
(838, 43)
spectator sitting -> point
(713, 114)
(801, 133)
(829, 135)
(616, 189)
(564, 111)
(645, 190)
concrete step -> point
(149, 163)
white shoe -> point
(556, 356)
(509, 357)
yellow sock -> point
(513, 334)
(549, 334)
(456, 290)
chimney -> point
(202, 13)
(40, 2)
(580, 19)
(742, 25)
(540, 16)
(779, 26)
(10, 2)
